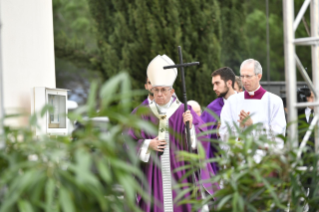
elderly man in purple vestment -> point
(255, 105)
(195, 106)
(167, 113)
(223, 80)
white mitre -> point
(160, 76)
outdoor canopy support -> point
(291, 60)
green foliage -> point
(75, 47)
(256, 32)
(97, 169)
(92, 173)
(256, 23)
(234, 40)
(72, 17)
(278, 182)
(129, 35)
(98, 39)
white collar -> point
(149, 100)
(253, 92)
(224, 100)
(308, 110)
(307, 113)
(162, 109)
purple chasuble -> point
(215, 107)
(177, 143)
(257, 95)
(145, 102)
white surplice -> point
(268, 110)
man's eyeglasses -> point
(162, 90)
(247, 76)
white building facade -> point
(27, 48)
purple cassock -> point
(145, 102)
(211, 122)
(152, 170)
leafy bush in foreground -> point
(96, 172)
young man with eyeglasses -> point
(255, 105)
(223, 81)
(158, 153)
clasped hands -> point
(245, 119)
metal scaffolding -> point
(292, 60)
(2, 114)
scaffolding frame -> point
(2, 112)
(292, 61)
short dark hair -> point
(306, 91)
(225, 74)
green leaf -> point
(234, 202)
(49, 195)
(252, 208)
(241, 203)
(126, 167)
(82, 169)
(47, 108)
(108, 90)
(201, 151)
(223, 201)
(33, 120)
(91, 104)
(65, 200)
(104, 171)
(145, 126)
(182, 194)
(126, 90)
(128, 184)
(25, 206)
(256, 194)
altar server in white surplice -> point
(259, 105)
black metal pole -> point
(184, 98)
(182, 65)
(268, 46)
(188, 139)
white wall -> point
(27, 52)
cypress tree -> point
(234, 41)
(131, 33)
